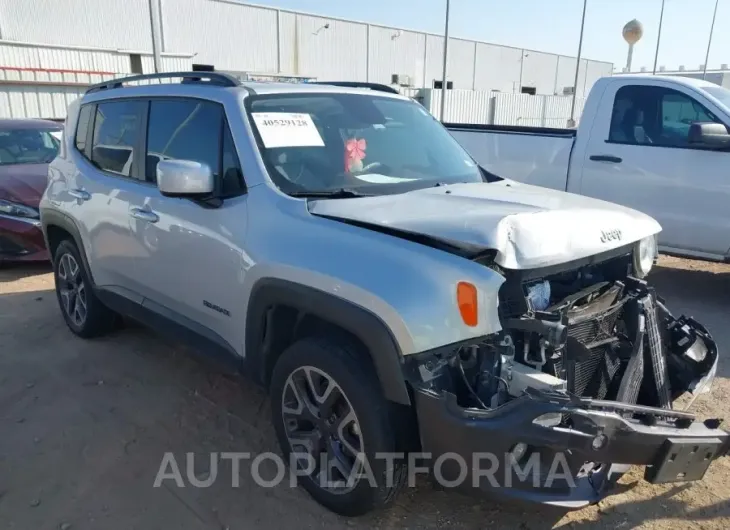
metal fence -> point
(496, 108)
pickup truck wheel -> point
(331, 420)
(83, 312)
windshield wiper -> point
(342, 193)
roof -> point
(687, 81)
(29, 124)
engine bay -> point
(592, 332)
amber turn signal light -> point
(466, 298)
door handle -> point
(606, 158)
(80, 194)
(144, 215)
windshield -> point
(370, 144)
(27, 146)
(719, 93)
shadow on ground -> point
(87, 423)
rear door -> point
(638, 155)
(108, 180)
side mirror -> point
(712, 135)
(184, 178)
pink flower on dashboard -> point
(354, 153)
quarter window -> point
(82, 127)
(116, 133)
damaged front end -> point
(586, 368)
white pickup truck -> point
(658, 144)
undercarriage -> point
(588, 364)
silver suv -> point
(338, 245)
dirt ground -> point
(84, 426)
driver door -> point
(649, 165)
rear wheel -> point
(83, 312)
(332, 420)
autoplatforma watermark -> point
(449, 470)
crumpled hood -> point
(529, 227)
(23, 183)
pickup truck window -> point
(374, 144)
(652, 115)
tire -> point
(355, 378)
(73, 286)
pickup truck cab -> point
(658, 144)
(338, 245)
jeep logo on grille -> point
(610, 235)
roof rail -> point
(357, 84)
(212, 78)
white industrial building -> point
(49, 49)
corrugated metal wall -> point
(498, 68)
(230, 35)
(100, 35)
(235, 36)
(115, 24)
(394, 51)
(35, 94)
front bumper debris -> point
(593, 448)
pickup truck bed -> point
(534, 155)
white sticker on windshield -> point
(284, 129)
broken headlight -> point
(645, 253)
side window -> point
(634, 115)
(679, 111)
(196, 130)
(116, 132)
(183, 129)
(82, 127)
(652, 115)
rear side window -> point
(116, 134)
(195, 130)
(82, 127)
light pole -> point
(156, 40)
(446, 56)
(709, 42)
(577, 65)
(658, 38)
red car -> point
(26, 148)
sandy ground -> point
(84, 426)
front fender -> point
(359, 322)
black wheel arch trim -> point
(363, 324)
(66, 223)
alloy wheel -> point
(322, 429)
(72, 289)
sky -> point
(554, 25)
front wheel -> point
(333, 426)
